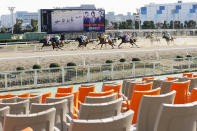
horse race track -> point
(92, 54)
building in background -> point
(26, 17)
(23, 15)
(111, 17)
(88, 6)
(6, 21)
(169, 12)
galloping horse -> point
(82, 43)
(131, 41)
(102, 42)
(152, 38)
(53, 43)
(168, 39)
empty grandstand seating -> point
(149, 104)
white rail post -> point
(88, 73)
(112, 71)
(84, 60)
(6, 80)
(35, 78)
(189, 64)
(133, 69)
(63, 75)
(172, 67)
(154, 68)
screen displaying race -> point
(75, 21)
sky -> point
(119, 6)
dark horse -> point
(168, 40)
(131, 41)
(102, 42)
(82, 43)
(53, 43)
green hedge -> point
(10, 40)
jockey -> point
(83, 38)
(152, 35)
(57, 38)
(47, 38)
(168, 35)
(105, 37)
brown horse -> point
(82, 43)
(53, 43)
(102, 42)
(131, 41)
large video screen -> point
(57, 21)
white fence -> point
(94, 73)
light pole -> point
(139, 18)
(173, 12)
(11, 9)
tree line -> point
(129, 24)
(33, 27)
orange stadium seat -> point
(84, 91)
(189, 75)
(27, 129)
(116, 88)
(25, 95)
(65, 90)
(7, 96)
(44, 96)
(143, 87)
(33, 95)
(182, 89)
(193, 96)
(76, 97)
(170, 78)
(147, 78)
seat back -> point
(44, 96)
(149, 109)
(69, 99)
(36, 99)
(65, 90)
(98, 94)
(193, 95)
(156, 83)
(100, 111)
(143, 87)
(130, 86)
(125, 86)
(101, 99)
(166, 85)
(42, 121)
(181, 89)
(9, 100)
(180, 117)
(84, 91)
(193, 83)
(7, 96)
(3, 112)
(25, 95)
(17, 108)
(61, 110)
(136, 99)
(188, 75)
(76, 97)
(116, 88)
(118, 123)
(144, 79)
